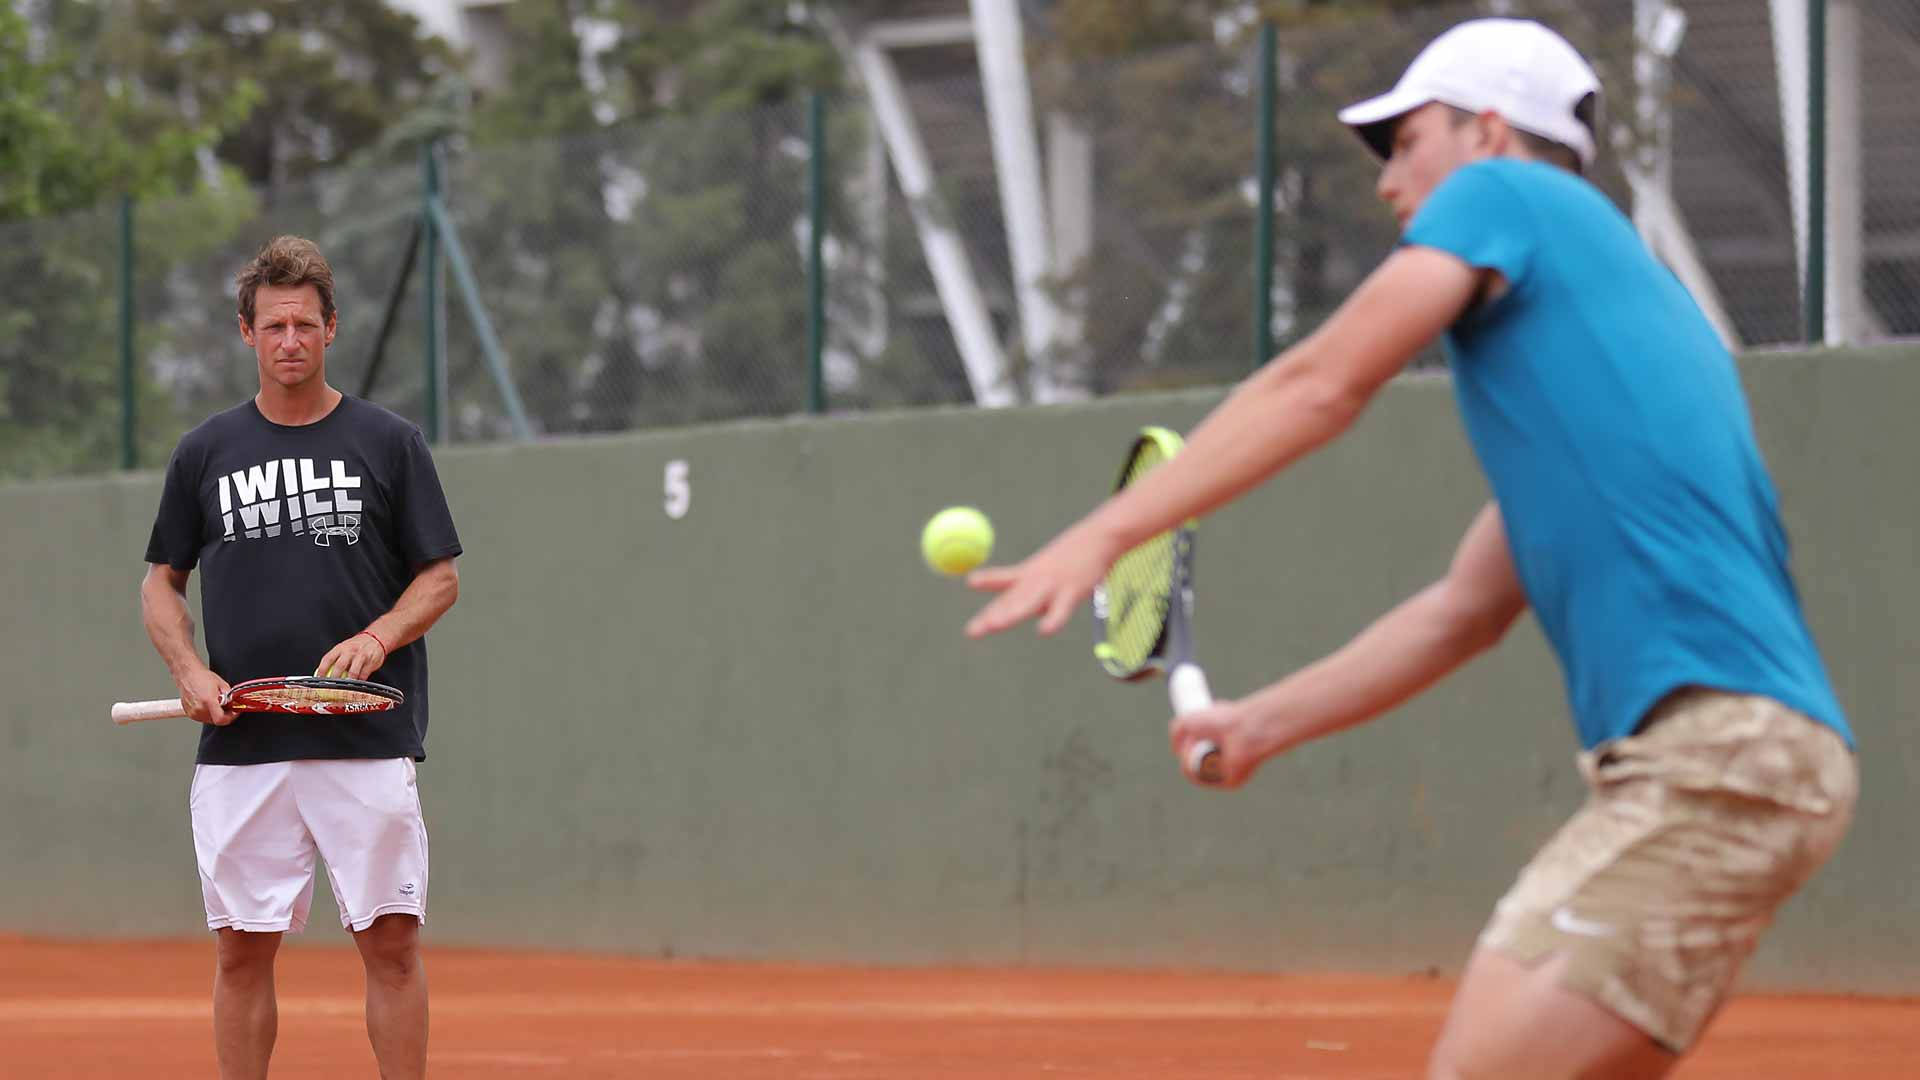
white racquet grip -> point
(128, 712)
(1187, 686)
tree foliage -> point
(187, 107)
(633, 217)
(70, 138)
(70, 144)
(632, 196)
(323, 79)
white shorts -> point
(257, 828)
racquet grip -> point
(1187, 686)
(1203, 761)
(128, 712)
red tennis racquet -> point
(306, 695)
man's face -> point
(1428, 144)
(287, 335)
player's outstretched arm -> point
(1400, 654)
(432, 591)
(1293, 405)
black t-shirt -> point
(304, 535)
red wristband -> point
(376, 640)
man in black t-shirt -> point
(326, 545)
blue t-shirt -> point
(1614, 432)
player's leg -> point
(365, 817)
(396, 995)
(256, 879)
(246, 1016)
(1648, 902)
(1509, 1020)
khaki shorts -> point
(1694, 833)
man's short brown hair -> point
(286, 262)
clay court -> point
(85, 1011)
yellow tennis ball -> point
(956, 540)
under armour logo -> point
(407, 889)
(321, 534)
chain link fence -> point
(656, 274)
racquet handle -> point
(1187, 686)
(128, 712)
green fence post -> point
(430, 288)
(129, 392)
(496, 357)
(816, 234)
(1816, 277)
(1263, 228)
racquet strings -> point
(1140, 584)
(295, 695)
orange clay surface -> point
(87, 1010)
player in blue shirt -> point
(1631, 512)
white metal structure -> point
(1849, 317)
(1048, 227)
(1016, 157)
(1658, 27)
(961, 300)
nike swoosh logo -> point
(1567, 922)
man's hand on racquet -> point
(201, 694)
(358, 657)
(1228, 725)
(1050, 583)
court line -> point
(53, 1009)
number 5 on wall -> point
(679, 491)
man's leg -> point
(1509, 1020)
(245, 1015)
(396, 995)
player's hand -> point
(1229, 726)
(358, 657)
(201, 694)
(1050, 583)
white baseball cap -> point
(1515, 67)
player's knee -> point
(239, 954)
(1475, 1054)
(390, 948)
(1448, 1063)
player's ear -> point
(1493, 133)
(246, 332)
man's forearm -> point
(1279, 415)
(1301, 400)
(170, 627)
(1402, 653)
(426, 598)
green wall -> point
(757, 731)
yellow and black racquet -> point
(1143, 609)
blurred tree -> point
(71, 141)
(643, 252)
(324, 77)
(1168, 90)
(70, 136)
(633, 195)
(181, 104)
